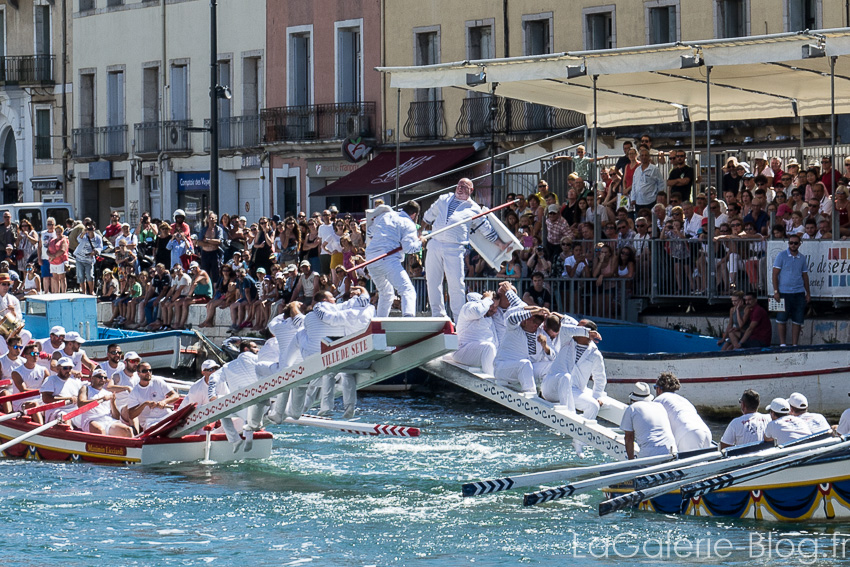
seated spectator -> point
(32, 281)
(305, 286)
(810, 231)
(738, 321)
(267, 296)
(758, 333)
(576, 266)
(225, 296)
(241, 309)
(138, 285)
(200, 292)
(539, 261)
(626, 263)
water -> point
(328, 499)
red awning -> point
(378, 176)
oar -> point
(632, 499)
(4, 383)
(432, 234)
(732, 478)
(33, 411)
(26, 394)
(49, 424)
(356, 427)
(549, 494)
(556, 475)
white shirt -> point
(570, 261)
(326, 232)
(156, 391)
(815, 421)
(130, 240)
(437, 216)
(517, 343)
(747, 428)
(10, 302)
(473, 325)
(499, 315)
(693, 225)
(122, 379)
(844, 423)
(389, 231)
(60, 388)
(102, 410)
(331, 320)
(198, 394)
(651, 427)
(106, 367)
(7, 365)
(786, 429)
(682, 414)
(589, 365)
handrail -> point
(483, 160)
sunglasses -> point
(144, 371)
(793, 243)
(115, 352)
(17, 347)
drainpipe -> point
(65, 150)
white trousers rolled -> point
(389, 275)
(445, 260)
(585, 403)
(516, 373)
(550, 388)
(477, 354)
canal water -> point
(333, 499)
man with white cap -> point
(53, 343)
(446, 251)
(285, 327)
(747, 427)
(151, 398)
(800, 408)
(122, 383)
(60, 387)
(646, 424)
(476, 334)
(388, 231)
(202, 392)
(103, 419)
(784, 427)
(113, 363)
(522, 358)
(72, 350)
(581, 359)
(688, 428)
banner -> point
(829, 266)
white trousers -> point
(445, 260)
(518, 373)
(578, 400)
(477, 354)
(693, 439)
(388, 275)
(550, 388)
(326, 388)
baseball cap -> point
(304, 263)
(194, 265)
(58, 330)
(132, 355)
(99, 372)
(65, 362)
(552, 209)
(798, 400)
(261, 270)
(779, 405)
(74, 337)
(209, 363)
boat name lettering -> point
(105, 449)
(345, 352)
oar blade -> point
(628, 500)
(547, 495)
(487, 486)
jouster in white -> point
(748, 427)
(151, 398)
(506, 298)
(285, 327)
(784, 427)
(646, 423)
(477, 341)
(389, 231)
(800, 408)
(521, 358)
(689, 429)
(60, 387)
(445, 256)
(559, 370)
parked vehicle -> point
(37, 212)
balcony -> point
(425, 120)
(108, 142)
(512, 117)
(235, 133)
(318, 122)
(169, 137)
(27, 70)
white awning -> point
(760, 77)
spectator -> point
(211, 243)
(581, 162)
(536, 214)
(791, 283)
(262, 245)
(626, 263)
(113, 229)
(226, 294)
(157, 289)
(539, 261)
(556, 229)
(731, 181)
(27, 243)
(108, 288)
(326, 233)
(199, 292)
(625, 235)
(288, 242)
(757, 216)
(647, 182)
(682, 176)
(162, 253)
(57, 253)
(537, 294)
(758, 332)
(44, 260)
(180, 246)
(827, 174)
(738, 321)
(240, 310)
(543, 192)
(127, 238)
(32, 281)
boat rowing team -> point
(137, 399)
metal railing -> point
(479, 116)
(235, 133)
(27, 69)
(426, 120)
(318, 122)
(169, 136)
(85, 146)
(105, 141)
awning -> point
(757, 77)
(45, 183)
(378, 176)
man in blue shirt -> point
(791, 283)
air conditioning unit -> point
(173, 135)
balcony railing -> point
(27, 70)
(425, 120)
(108, 142)
(477, 118)
(235, 133)
(169, 136)
(318, 122)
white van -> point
(37, 213)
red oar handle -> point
(45, 407)
(82, 410)
(4, 383)
(19, 396)
(367, 262)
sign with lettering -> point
(333, 169)
(829, 266)
(355, 149)
(198, 181)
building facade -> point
(34, 36)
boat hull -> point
(713, 382)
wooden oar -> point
(556, 475)
(549, 494)
(26, 394)
(432, 234)
(49, 424)
(33, 411)
(632, 499)
(4, 383)
(705, 486)
(356, 427)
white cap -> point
(58, 330)
(641, 393)
(98, 372)
(194, 265)
(179, 213)
(74, 337)
(798, 401)
(779, 405)
(132, 355)
(209, 363)
(65, 361)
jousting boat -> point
(391, 346)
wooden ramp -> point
(609, 441)
(392, 345)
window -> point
(662, 21)
(150, 94)
(87, 100)
(300, 66)
(43, 143)
(42, 29)
(731, 18)
(427, 52)
(599, 28)
(251, 88)
(115, 98)
(2, 31)
(479, 42)
(111, 3)
(179, 91)
(349, 62)
(86, 5)
(224, 108)
(802, 15)
(537, 34)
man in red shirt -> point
(180, 222)
(759, 332)
(826, 177)
(113, 229)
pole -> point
(213, 107)
(712, 269)
(397, 143)
(597, 225)
(835, 229)
(493, 107)
(65, 150)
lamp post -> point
(214, 95)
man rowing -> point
(104, 418)
(150, 398)
(646, 423)
(688, 428)
(73, 351)
(784, 427)
(61, 386)
(113, 364)
(747, 427)
(8, 362)
(28, 376)
(800, 408)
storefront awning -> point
(378, 176)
